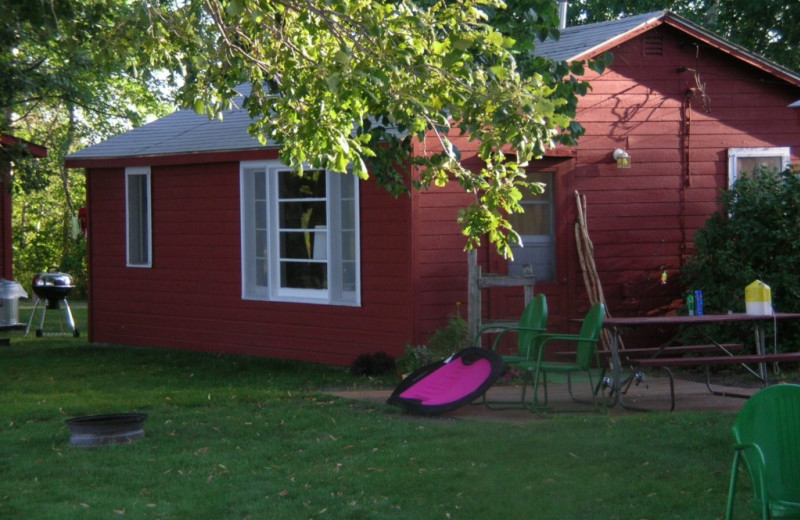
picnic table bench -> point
(674, 355)
(666, 363)
(654, 353)
(667, 358)
(789, 357)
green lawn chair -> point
(532, 323)
(767, 437)
(537, 368)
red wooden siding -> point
(191, 297)
(439, 259)
(644, 218)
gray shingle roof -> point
(578, 40)
(183, 131)
(584, 41)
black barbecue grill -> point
(54, 287)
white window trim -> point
(736, 153)
(138, 171)
(273, 291)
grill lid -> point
(53, 278)
(53, 286)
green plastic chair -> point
(532, 323)
(767, 438)
(586, 358)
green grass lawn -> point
(233, 437)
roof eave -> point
(618, 39)
(170, 159)
(682, 24)
(732, 49)
(33, 149)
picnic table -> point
(724, 353)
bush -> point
(414, 357)
(752, 236)
(443, 343)
(451, 338)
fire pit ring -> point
(100, 430)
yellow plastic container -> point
(758, 299)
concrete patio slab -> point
(652, 394)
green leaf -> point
(235, 7)
(333, 82)
(499, 71)
(341, 162)
(461, 43)
(494, 38)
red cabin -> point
(200, 239)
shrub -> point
(450, 338)
(442, 343)
(415, 356)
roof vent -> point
(653, 45)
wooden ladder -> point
(479, 282)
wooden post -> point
(527, 289)
(477, 282)
(473, 293)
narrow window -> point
(138, 222)
(742, 161)
(536, 227)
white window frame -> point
(266, 286)
(784, 152)
(138, 220)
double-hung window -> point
(742, 161)
(536, 227)
(300, 235)
(138, 229)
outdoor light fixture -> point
(622, 158)
(796, 106)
